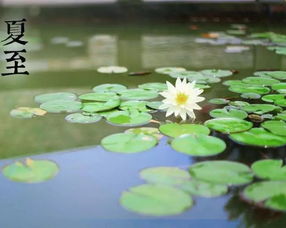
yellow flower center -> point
(181, 98)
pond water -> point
(88, 187)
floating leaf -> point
(272, 97)
(124, 118)
(232, 82)
(280, 75)
(169, 70)
(27, 112)
(260, 81)
(198, 145)
(217, 73)
(98, 96)
(281, 102)
(250, 95)
(112, 69)
(114, 88)
(83, 119)
(222, 172)
(228, 113)
(249, 89)
(147, 131)
(92, 107)
(187, 74)
(259, 137)
(201, 86)
(279, 86)
(157, 86)
(281, 116)
(57, 106)
(218, 101)
(138, 94)
(277, 127)
(228, 125)
(157, 200)
(260, 108)
(31, 171)
(165, 175)
(55, 96)
(239, 104)
(154, 104)
(175, 129)
(269, 169)
(134, 105)
(272, 193)
(202, 188)
(128, 142)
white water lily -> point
(181, 99)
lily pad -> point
(280, 75)
(281, 102)
(260, 81)
(31, 171)
(239, 104)
(104, 96)
(250, 96)
(272, 97)
(146, 131)
(83, 119)
(165, 175)
(157, 86)
(228, 125)
(249, 89)
(271, 193)
(269, 169)
(138, 94)
(222, 172)
(228, 113)
(187, 74)
(279, 86)
(114, 88)
(169, 70)
(58, 106)
(232, 82)
(175, 129)
(128, 143)
(217, 73)
(156, 200)
(260, 108)
(154, 104)
(27, 112)
(218, 101)
(112, 69)
(124, 118)
(204, 189)
(281, 116)
(134, 105)
(42, 98)
(92, 107)
(259, 137)
(198, 145)
(277, 127)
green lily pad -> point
(204, 189)
(281, 116)
(128, 143)
(124, 118)
(217, 73)
(228, 113)
(31, 171)
(279, 86)
(58, 106)
(146, 131)
(259, 137)
(27, 112)
(221, 172)
(175, 129)
(98, 96)
(92, 107)
(218, 101)
(249, 89)
(232, 82)
(277, 127)
(134, 105)
(165, 175)
(156, 200)
(83, 119)
(154, 104)
(280, 75)
(187, 74)
(260, 81)
(260, 108)
(42, 98)
(112, 69)
(250, 96)
(281, 102)
(269, 169)
(169, 70)
(138, 94)
(114, 88)
(198, 145)
(155, 86)
(228, 125)
(201, 86)
(271, 193)
(239, 104)
(272, 97)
